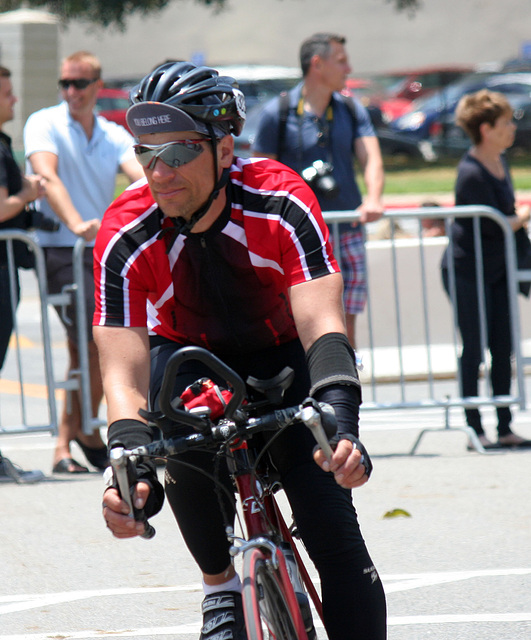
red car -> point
(373, 95)
(414, 83)
(112, 104)
(393, 92)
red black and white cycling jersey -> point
(225, 289)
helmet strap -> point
(180, 225)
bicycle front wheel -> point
(267, 612)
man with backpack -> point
(318, 132)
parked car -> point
(112, 104)
(244, 142)
(374, 97)
(415, 83)
(432, 117)
(259, 82)
(455, 141)
(122, 82)
(392, 143)
(518, 64)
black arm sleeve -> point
(334, 379)
(130, 433)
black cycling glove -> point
(130, 433)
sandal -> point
(513, 441)
(98, 457)
(69, 465)
(484, 441)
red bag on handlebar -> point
(204, 393)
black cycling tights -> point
(353, 597)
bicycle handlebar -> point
(206, 433)
(309, 413)
(217, 366)
(273, 421)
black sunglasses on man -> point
(79, 83)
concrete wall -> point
(270, 31)
(29, 43)
(408, 266)
(404, 322)
(261, 31)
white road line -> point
(456, 618)
(12, 604)
(150, 632)
(186, 629)
(392, 583)
(407, 582)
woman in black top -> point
(483, 179)
(16, 191)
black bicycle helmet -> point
(179, 96)
(199, 92)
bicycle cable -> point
(217, 483)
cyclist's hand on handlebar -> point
(116, 512)
(348, 464)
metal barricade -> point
(396, 335)
(79, 379)
(25, 423)
(383, 332)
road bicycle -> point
(276, 584)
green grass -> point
(418, 177)
(419, 180)
(440, 177)
(121, 183)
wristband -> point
(331, 360)
(129, 433)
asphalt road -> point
(457, 567)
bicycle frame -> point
(268, 589)
(263, 519)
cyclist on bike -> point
(232, 255)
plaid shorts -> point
(353, 269)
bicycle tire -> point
(268, 614)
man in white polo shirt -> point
(79, 155)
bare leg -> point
(69, 427)
(351, 329)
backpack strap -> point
(283, 118)
(352, 110)
(282, 122)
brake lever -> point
(125, 475)
(310, 414)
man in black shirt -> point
(16, 191)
